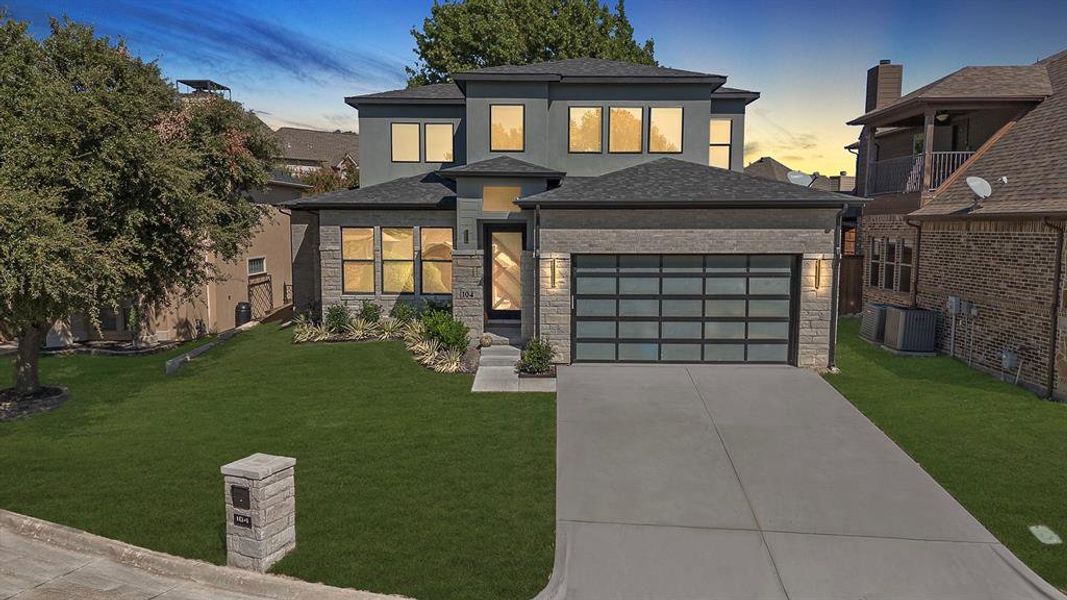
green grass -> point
(1000, 450)
(406, 482)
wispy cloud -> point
(228, 41)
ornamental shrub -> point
(450, 333)
(404, 312)
(336, 319)
(536, 357)
(370, 312)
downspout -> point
(537, 271)
(915, 268)
(1055, 312)
(834, 290)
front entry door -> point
(503, 283)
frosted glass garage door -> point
(713, 308)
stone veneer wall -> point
(805, 232)
(1007, 270)
(885, 226)
(329, 231)
(468, 296)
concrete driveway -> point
(728, 482)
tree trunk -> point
(26, 378)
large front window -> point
(719, 143)
(584, 133)
(665, 130)
(357, 260)
(625, 129)
(507, 128)
(500, 198)
(405, 142)
(439, 142)
(398, 260)
(436, 256)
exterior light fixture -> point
(818, 273)
(466, 236)
(553, 285)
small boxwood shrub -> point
(536, 357)
(336, 318)
(370, 312)
(450, 333)
(405, 312)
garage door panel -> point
(683, 308)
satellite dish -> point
(799, 178)
(980, 187)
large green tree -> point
(112, 187)
(472, 34)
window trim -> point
(422, 259)
(248, 265)
(681, 131)
(371, 260)
(426, 137)
(414, 259)
(640, 132)
(523, 147)
(729, 145)
(418, 144)
(600, 141)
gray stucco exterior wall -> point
(375, 137)
(304, 237)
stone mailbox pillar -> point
(260, 510)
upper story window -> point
(439, 142)
(507, 128)
(625, 129)
(584, 132)
(719, 134)
(405, 142)
(665, 130)
(500, 198)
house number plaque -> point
(242, 520)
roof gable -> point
(427, 190)
(500, 166)
(328, 147)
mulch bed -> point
(549, 374)
(112, 348)
(13, 406)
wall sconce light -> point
(466, 236)
(818, 273)
(553, 285)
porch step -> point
(499, 356)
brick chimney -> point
(884, 82)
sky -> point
(294, 62)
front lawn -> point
(1000, 450)
(406, 482)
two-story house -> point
(597, 204)
(990, 266)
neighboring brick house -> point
(929, 237)
(599, 205)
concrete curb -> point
(173, 365)
(275, 587)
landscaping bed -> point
(407, 483)
(997, 448)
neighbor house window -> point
(507, 128)
(398, 260)
(907, 255)
(889, 276)
(500, 198)
(665, 130)
(875, 275)
(584, 132)
(405, 142)
(436, 244)
(625, 129)
(357, 260)
(439, 142)
(719, 132)
(848, 242)
(257, 266)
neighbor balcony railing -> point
(905, 174)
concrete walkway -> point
(45, 561)
(734, 482)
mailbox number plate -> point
(240, 497)
(242, 520)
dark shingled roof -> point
(327, 147)
(1031, 153)
(1025, 82)
(729, 93)
(285, 179)
(582, 68)
(420, 191)
(434, 93)
(668, 182)
(500, 166)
